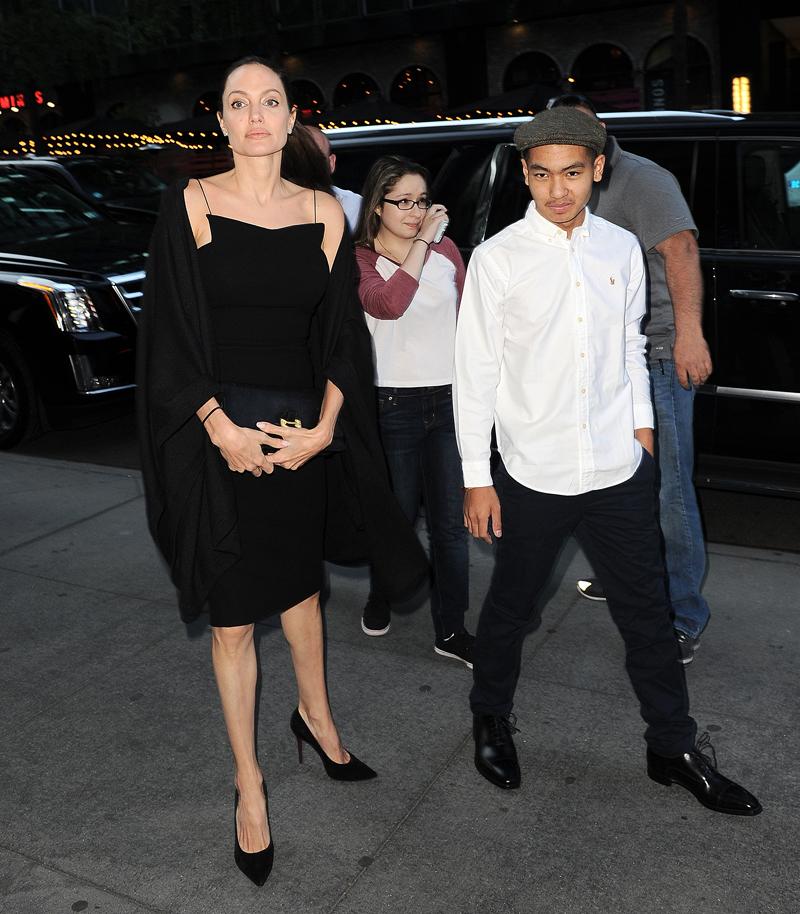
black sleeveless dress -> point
(263, 287)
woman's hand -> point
(240, 447)
(433, 218)
(299, 445)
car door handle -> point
(761, 295)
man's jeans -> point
(419, 439)
(679, 516)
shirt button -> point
(578, 283)
(583, 355)
(584, 425)
(580, 320)
(583, 390)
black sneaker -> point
(376, 618)
(458, 646)
(591, 590)
(687, 646)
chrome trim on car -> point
(122, 286)
(489, 190)
(106, 390)
(762, 295)
(747, 393)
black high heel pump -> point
(257, 866)
(354, 770)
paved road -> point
(733, 518)
(115, 778)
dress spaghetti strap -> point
(314, 191)
(204, 194)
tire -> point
(19, 406)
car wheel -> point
(19, 410)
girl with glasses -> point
(410, 287)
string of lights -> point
(80, 142)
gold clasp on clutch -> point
(295, 423)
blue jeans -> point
(684, 549)
(419, 439)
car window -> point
(33, 209)
(353, 162)
(511, 196)
(458, 186)
(770, 195)
(113, 179)
(677, 156)
(759, 196)
(693, 163)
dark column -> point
(679, 51)
(465, 59)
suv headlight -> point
(72, 306)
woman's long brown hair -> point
(382, 177)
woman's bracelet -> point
(210, 412)
(426, 243)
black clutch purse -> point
(246, 405)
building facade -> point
(356, 61)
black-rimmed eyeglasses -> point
(405, 203)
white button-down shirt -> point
(549, 349)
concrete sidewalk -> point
(116, 781)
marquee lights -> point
(81, 142)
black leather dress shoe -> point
(495, 755)
(698, 774)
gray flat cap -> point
(561, 127)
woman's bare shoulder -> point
(193, 192)
(196, 196)
(331, 214)
(329, 209)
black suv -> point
(741, 177)
(70, 284)
(122, 189)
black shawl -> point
(189, 495)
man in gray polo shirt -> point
(646, 199)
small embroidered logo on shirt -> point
(611, 280)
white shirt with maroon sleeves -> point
(549, 350)
(412, 322)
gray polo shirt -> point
(647, 200)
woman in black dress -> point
(255, 288)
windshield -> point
(32, 209)
(114, 179)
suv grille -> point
(129, 286)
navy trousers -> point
(618, 530)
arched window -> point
(308, 97)
(208, 103)
(531, 68)
(604, 72)
(354, 88)
(417, 87)
(659, 79)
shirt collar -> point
(545, 227)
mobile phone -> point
(441, 230)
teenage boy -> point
(646, 199)
(549, 350)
